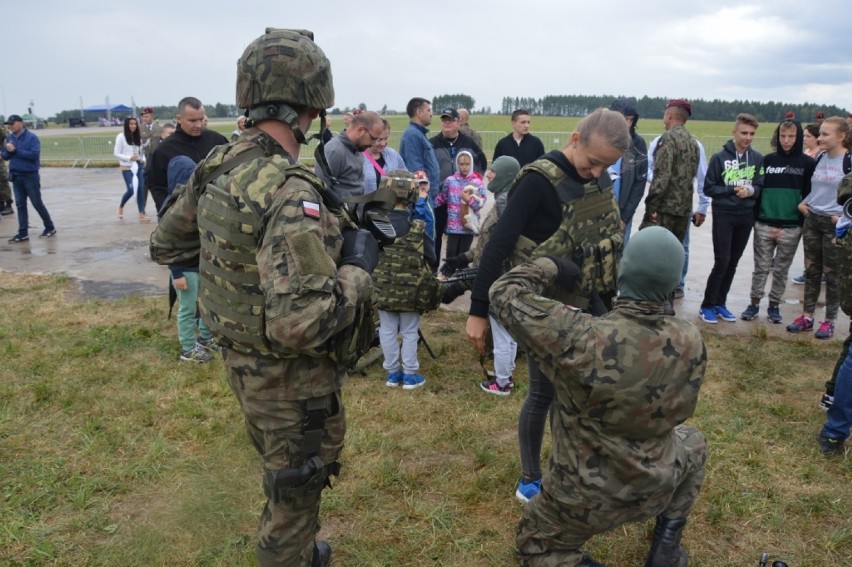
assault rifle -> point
(464, 276)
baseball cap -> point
(14, 118)
(147, 110)
(679, 102)
(450, 113)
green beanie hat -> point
(650, 266)
(505, 169)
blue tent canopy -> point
(107, 107)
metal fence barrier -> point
(84, 150)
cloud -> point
(158, 52)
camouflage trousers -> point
(5, 187)
(677, 225)
(820, 258)
(551, 533)
(287, 530)
(774, 248)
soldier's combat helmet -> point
(281, 72)
(401, 183)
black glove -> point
(597, 306)
(359, 249)
(452, 291)
(567, 275)
(451, 265)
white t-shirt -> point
(826, 179)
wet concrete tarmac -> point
(108, 257)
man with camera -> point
(281, 296)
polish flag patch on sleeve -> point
(311, 209)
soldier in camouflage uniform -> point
(5, 187)
(282, 281)
(625, 382)
(676, 157)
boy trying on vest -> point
(403, 285)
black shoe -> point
(322, 554)
(666, 550)
(830, 445)
(668, 309)
(48, 232)
(678, 293)
(6, 208)
(19, 238)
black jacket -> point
(724, 172)
(529, 150)
(634, 175)
(180, 143)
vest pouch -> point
(348, 346)
(429, 292)
(599, 267)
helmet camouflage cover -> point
(402, 183)
(286, 67)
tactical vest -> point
(231, 301)
(403, 282)
(590, 233)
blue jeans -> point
(840, 413)
(682, 284)
(141, 196)
(28, 186)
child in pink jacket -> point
(461, 192)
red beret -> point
(147, 110)
(790, 115)
(679, 102)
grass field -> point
(114, 453)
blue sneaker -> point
(723, 313)
(800, 280)
(526, 490)
(412, 381)
(708, 315)
(394, 379)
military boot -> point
(6, 208)
(589, 562)
(322, 554)
(666, 550)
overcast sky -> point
(156, 52)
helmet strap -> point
(282, 113)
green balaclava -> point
(650, 266)
(505, 169)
